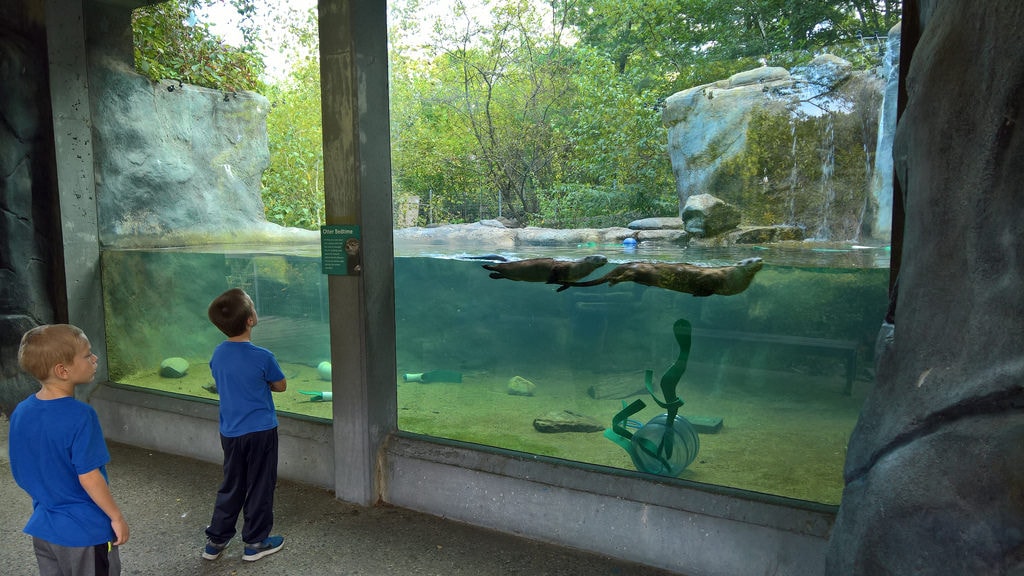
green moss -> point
(710, 154)
(800, 171)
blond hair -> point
(43, 347)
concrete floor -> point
(168, 501)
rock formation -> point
(27, 204)
(935, 467)
(707, 216)
(781, 141)
(178, 164)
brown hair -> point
(230, 312)
(43, 347)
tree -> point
(614, 162)
(432, 152)
(508, 83)
(171, 43)
(293, 184)
(691, 42)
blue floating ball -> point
(629, 242)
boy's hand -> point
(96, 487)
(279, 386)
(120, 527)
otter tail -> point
(567, 285)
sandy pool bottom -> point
(784, 433)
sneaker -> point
(265, 548)
(213, 550)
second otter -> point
(681, 277)
(546, 270)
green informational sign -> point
(340, 250)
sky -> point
(224, 20)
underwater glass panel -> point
(176, 287)
(774, 382)
(503, 363)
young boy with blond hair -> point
(245, 375)
(58, 455)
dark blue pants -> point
(250, 476)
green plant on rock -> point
(171, 44)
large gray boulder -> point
(707, 216)
(178, 164)
(935, 466)
(789, 146)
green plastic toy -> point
(668, 443)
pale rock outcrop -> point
(706, 216)
(178, 164)
(824, 107)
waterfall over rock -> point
(881, 182)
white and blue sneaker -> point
(213, 550)
(266, 548)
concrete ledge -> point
(665, 523)
(692, 529)
(188, 426)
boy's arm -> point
(279, 386)
(96, 487)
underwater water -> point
(784, 366)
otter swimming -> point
(546, 270)
(681, 277)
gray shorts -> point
(55, 560)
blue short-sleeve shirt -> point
(52, 443)
(243, 373)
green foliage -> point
(616, 142)
(550, 117)
(171, 44)
(431, 149)
(509, 91)
(580, 206)
(293, 184)
(676, 44)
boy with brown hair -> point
(245, 375)
(58, 455)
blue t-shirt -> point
(243, 373)
(52, 442)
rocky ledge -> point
(496, 236)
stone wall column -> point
(76, 180)
(357, 183)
